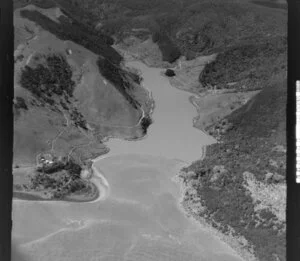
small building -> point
(45, 159)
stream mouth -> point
(138, 215)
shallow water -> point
(139, 219)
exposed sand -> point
(138, 214)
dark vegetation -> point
(118, 78)
(50, 81)
(19, 58)
(20, 104)
(251, 65)
(243, 33)
(78, 119)
(250, 40)
(258, 127)
(170, 73)
(169, 50)
(39, 3)
(109, 59)
(51, 77)
(76, 32)
(60, 177)
(145, 123)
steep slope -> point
(241, 180)
(65, 103)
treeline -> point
(20, 103)
(251, 65)
(109, 59)
(74, 31)
(259, 128)
(169, 50)
(118, 78)
(54, 76)
(60, 178)
(78, 119)
(39, 3)
(145, 123)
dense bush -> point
(51, 168)
(118, 78)
(170, 73)
(252, 64)
(20, 103)
(169, 50)
(54, 77)
(39, 3)
(259, 126)
(61, 177)
(145, 123)
(73, 168)
(78, 119)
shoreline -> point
(102, 186)
(96, 195)
(204, 224)
(34, 196)
(184, 206)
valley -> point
(189, 165)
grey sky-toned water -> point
(139, 219)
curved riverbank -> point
(181, 204)
(138, 206)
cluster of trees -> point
(169, 50)
(109, 59)
(248, 147)
(58, 165)
(170, 73)
(19, 58)
(40, 3)
(78, 119)
(253, 64)
(52, 77)
(145, 123)
(118, 78)
(60, 178)
(20, 103)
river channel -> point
(138, 218)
